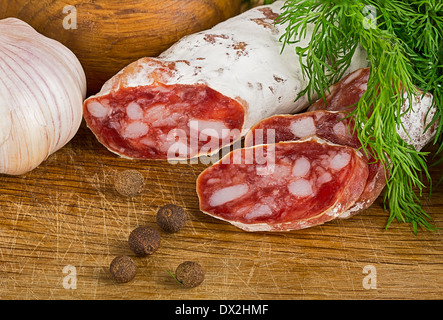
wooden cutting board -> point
(63, 223)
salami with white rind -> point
(302, 184)
(203, 93)
(345, 94)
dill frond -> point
(404, 49)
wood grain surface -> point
(65, 220)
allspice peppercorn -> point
(171, 218)
(144, 241)
(190, 274)
(123, 269)
(129, 183)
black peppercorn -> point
(171, 218)
(190, 274)
(123, 269)
(144, 241)
(129, 183)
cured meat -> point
(345, 94)
(332, 126)
(283, 186)
(204, 92)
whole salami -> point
(203, 93)
(283, 186)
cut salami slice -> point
(345, 94)
(283, 186)
(204, 92)
(332, 126)
(157, 122)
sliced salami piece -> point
(203, 93)
(345, 94)
(332, 126)
(283, 186)
(157, 122)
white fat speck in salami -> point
(281, 201)
(339, 129)
(301, 188)
(135, 129)
(339, 161)
(210, 128)
(258, 211)
(210, 76)
(134, 111)
(363, 86)
(325, 177)
(97, 110)
(304, 127)
(227, 194)
(301, 167)
(352, 77)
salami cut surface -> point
(283, 186)
(204, 92)
(332, 126)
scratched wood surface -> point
(67, 214)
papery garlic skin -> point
(42, 89)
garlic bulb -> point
(42, 88)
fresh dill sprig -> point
(402, 56)
(420, 26)
(327, 56)
(173, 276)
